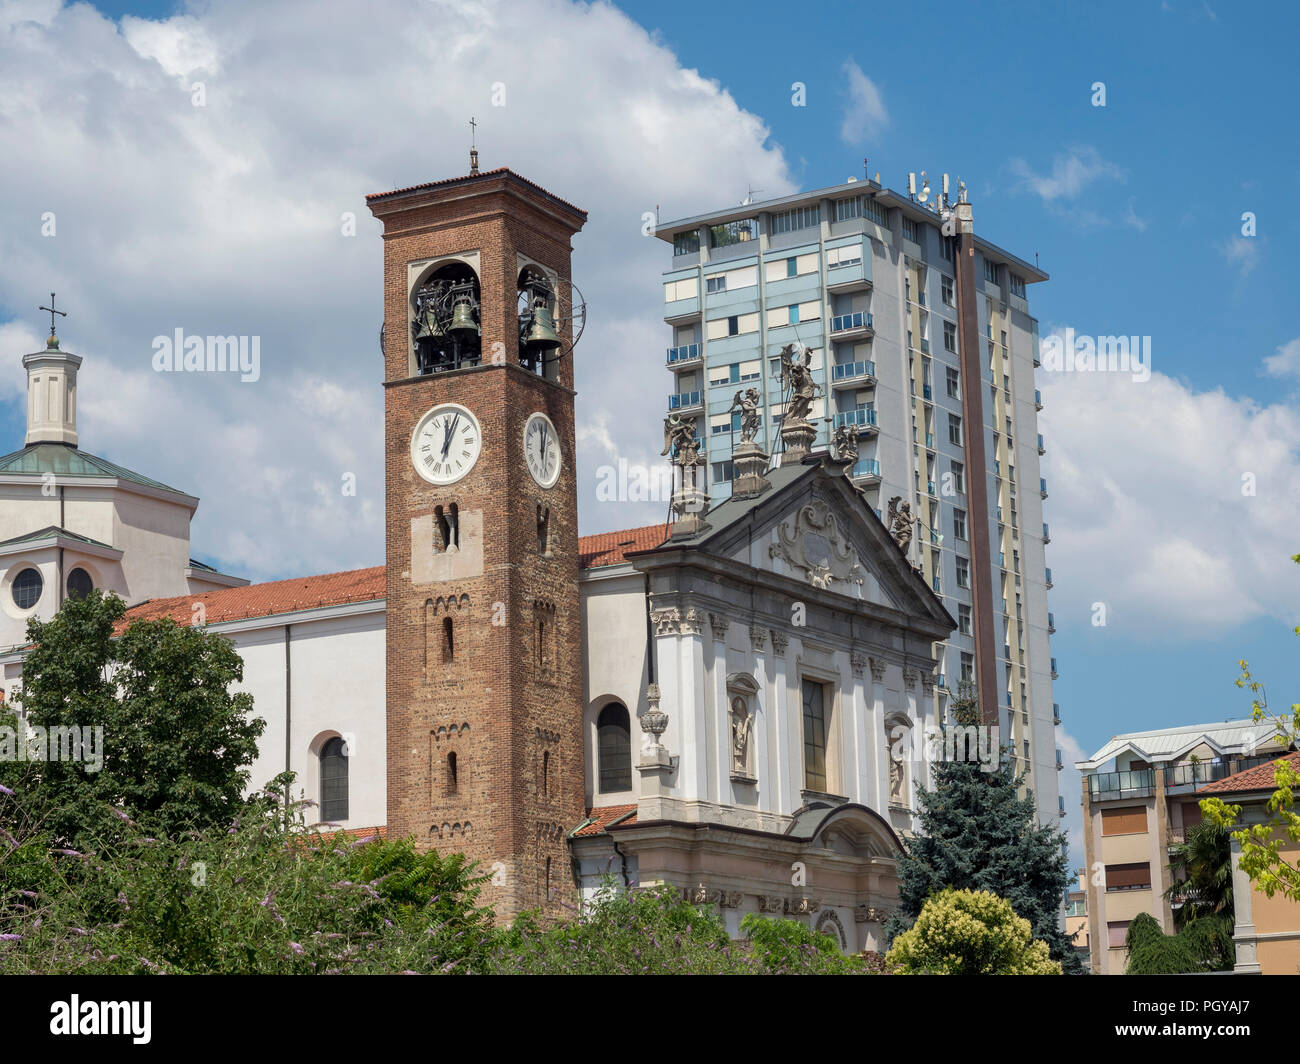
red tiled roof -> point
(466, 177)
(604, 817)
(1259, 778)
(265, 600)
(611, 548)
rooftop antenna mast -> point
(473, 147)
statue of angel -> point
(747, 403)
(796, 375)
(679, 436)
(900, 522)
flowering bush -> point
(969, 932)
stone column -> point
(1243, 933)
(787, 787)
(880, 789)
(764, 769)
(863, 754)
(720, 732)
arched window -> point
(79, 583)
(448, 640)
(451, 773)
(546, 767)
(614, 747)
(334, 780)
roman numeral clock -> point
(446, 444)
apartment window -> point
(959, 524)
(721, 472)
(792, 267)
(1017, 285)
(874, 211)
(798, 218)
(1116, 932)
(1004, 339)
(990, 271)
(945, 291)
(689, 243)
(963, 572)
(958, 478)
(848, 208)
(814, 735)
(721, 236)
(713, 285)
(614, 748)
(963, 620)
(733, 325)
(1135, 876)
(911, 230)
(848, 255)
(794, 311)
(967, 667)
(954, 430)
(948, 248)
(949, 336)
(953, 380)
(1124, 821)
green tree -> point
(1201, 867)
(1203, 944)
(969, 932)
(176, 743)
(977, 834)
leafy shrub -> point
(969, 932)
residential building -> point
(918, 333)
(1139, 798)
(1076, 918)
(1266, 935)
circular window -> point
(79, 583)
(27, 589)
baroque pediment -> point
(815, 546)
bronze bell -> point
(427, 325)
(462, 317)
(541, 334)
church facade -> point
(731, 703)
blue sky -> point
(1133, 208)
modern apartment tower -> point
(919, 333)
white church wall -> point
(154, 535)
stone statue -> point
(900, 522)
(796, 376)
(747, 403)
(895, 779)
(741, 726)
(679, 436)
(846, 443)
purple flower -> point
(6, 791)
(68, 853)
(122, 816)
(11, 938)
(295, 947)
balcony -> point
(1041, 448)
(853, 374)
(1042, 487)
(866, 473)
(1109, 786)
(927, 393)
(1060, 801)
(1056, 713)
(851, 324)
(686, 401)
(999, 515)
(929, 441)
(925, 347)
(1051, 624)
(1049, 577)
(942, 681)
(920, 298)
(1196, 774)
(688, 353)
(932, 489)
(1038, 399)
(1055, 674)
(863, 416)
(1047, 535)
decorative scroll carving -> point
(719, 622)
(877, 670)
(814, 543)
(667, 621)
(779, 641)
(757, 638)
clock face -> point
(542, 450)
(445, 444)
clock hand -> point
(446, 439)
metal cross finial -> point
(473, 147)
(50, 308)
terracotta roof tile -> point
(265, 600)
(611, 548)
(604, 817)
(1259, 778)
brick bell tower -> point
(484, 652)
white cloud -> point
(864, 114)
(1241, 252)
(226, 219)
(1286, 363)
(1151, 506)
(1071, 173)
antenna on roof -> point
(911, 184)
(750, 198)
(473, 147)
